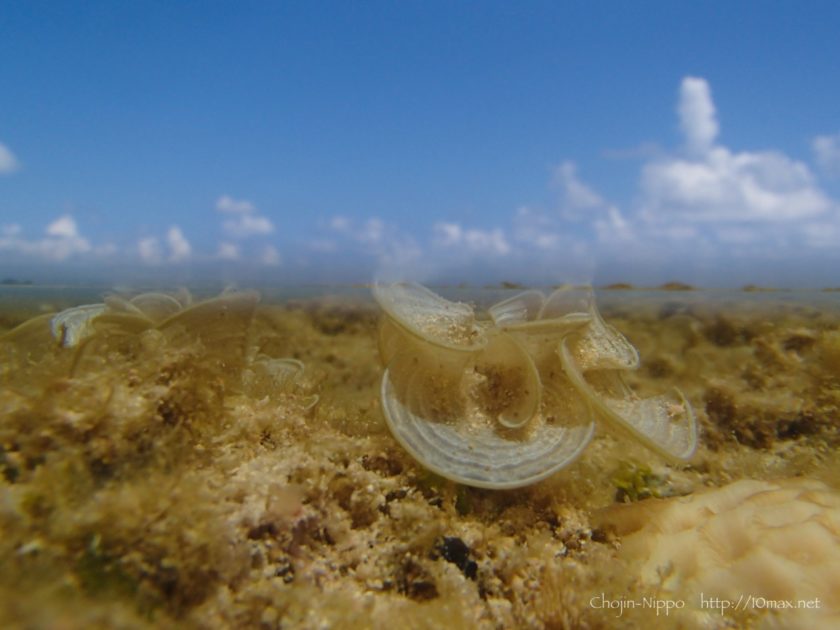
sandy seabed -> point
(195, 474)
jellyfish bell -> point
(508, 401)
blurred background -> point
(332, 142)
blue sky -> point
(444, 141)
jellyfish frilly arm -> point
(221, 317)
(156, 306)
(665, 423)
(221, 325)
(511, 390)
(600, 346)
(430, 317)
(484, 403)
(423, 339)
(603, 347)
(520, 308)
(35, 330)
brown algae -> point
(242, 475)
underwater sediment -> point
(226, 463)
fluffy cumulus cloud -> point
(247, 225)
(711, 184)
(453, 235)
(732, 187)
(537, 229)
(61, 241)
(698, 201)
(567, 236)
(383, 245)
(388, 251)
(63, 227)
(579, 201)
(698, 119)
(244, 221)
(173, 248)
(150, 251)
(179, 247)
(8, 161)
(229, 205)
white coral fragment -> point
(750, 541)
(664, 423)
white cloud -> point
(577, 196)
(537, 246)
(493, 241)
(63, 227)
(150, 250)
(268, 255)
(447, 234)
(247, 221)
(385, 245)
(614, 227)
(8, 161)
(697, 115)
(228, 251)
(537, 229)
(228, 204)
(584, 217)
(721, 186)
(701, 202)
(580, 203)
(247, 225)
(714, 186)
(61, 241)
(373, 231)
(400, 252)
(179, 247)
(452, 235)
(827, 153)
(63, 248)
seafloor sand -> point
(153, 481)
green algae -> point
(634, 482)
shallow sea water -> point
(237, 472)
